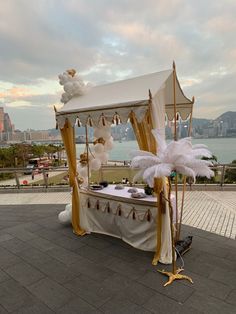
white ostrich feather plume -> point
(180, 156)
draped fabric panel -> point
(68, 137)
(155, 118)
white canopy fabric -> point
(124, 96)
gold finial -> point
(174, 67)
(71, 72)
(150, 94)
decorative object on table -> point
(148, 190)
(138, 195)
(178, 156)
(96, 187)
(119, 187)
(132, 190)
(104, 183)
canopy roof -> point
(124, 96)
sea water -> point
(223, 148)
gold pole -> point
(175, 274)
(175, 138)
(184, 179)
(87, 151)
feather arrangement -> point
(180, 156)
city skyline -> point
(112, 40)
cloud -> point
(19, 104)
(112, 40)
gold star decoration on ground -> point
(173, 277)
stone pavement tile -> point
(231, 256)
(91, 269)
(231, 298)
(203, 269)
(50, 222)
(13, 296)
(31, 226)
(5, 236)
(223, 275)
(58, 272)
(65, 256)
(92, 254)
(24, 273)
(176, 291)
(96, 242)
(119, 305)
(3, 276)
(222, 263)
(68, 243)
(7, 258)
(94, 292)
(126, 269)
(136, 293)
(47, 234)
(116, 283)
(2, 310)
(209, 305)
(35, 308)
(51, 293)
(76, 306)
(20, 233)
(35, 257)
(15, 245)
(162, 304)
(207, 286)
(210, 247)
(121, 252)
(42, 244)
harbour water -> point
(223, 148)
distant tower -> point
(1, 119)
(7, 123)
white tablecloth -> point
(116, 213)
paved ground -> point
(213, 211)
(45, 268)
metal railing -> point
(58, 176)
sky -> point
(108, 40)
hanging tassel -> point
(78, 122)
(97, 205)
(90, 121)
(56, 126)
(177, 116)
(133, 215)
(148, 215)
(108, 207)
(119, 210)
(88, 203)
(103, 120)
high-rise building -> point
(1, 119)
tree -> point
(230, 174)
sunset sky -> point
(107, 40)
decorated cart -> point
(147, 102)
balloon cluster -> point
(99, 155)
(73, 85)
(65, 216)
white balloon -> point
(83, 172)
(68, 88)
(95, 164)
(65, 216)
(103, 157)
(97, 133)
(99, 148)
(109, 144)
